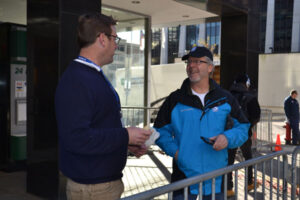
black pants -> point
(295, 131)
(247, 153)
(178, 175)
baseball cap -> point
(198, 52)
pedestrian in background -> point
(250, 106)
(192, 125)
(92, 141)
(291, 109)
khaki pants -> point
(106, 191)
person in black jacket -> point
(251, 108)
(291, 109)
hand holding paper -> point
(152, 137)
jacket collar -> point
(186, 86)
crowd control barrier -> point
(138, 116)
(262, 132)
(270, 178)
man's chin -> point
(194, 80)
(110, 61)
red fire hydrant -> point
(287, 133)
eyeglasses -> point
(197, 62)
(207, 140)
(117, 39)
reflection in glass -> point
(126, 73)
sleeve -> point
(287, 108)
(163, 125)
(238, 134)
(75, 109)
(253, 110)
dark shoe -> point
(251, 186)
(230, 193)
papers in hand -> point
(152, 137)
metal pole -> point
(236, 184)
(294, 172)
(246, 183)
(200, 190)
(225, 186)
(263, 179)
(278, 176)
(213, 189)
(271, 180)
(255, 181)
(285, 168)
(147, 52)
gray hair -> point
(210, 62)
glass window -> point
(173, 43)
(126, 73)
(213, 36)
(192, 33)
(156, 45)
(283, 25)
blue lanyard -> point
(91, 64)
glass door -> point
(127, 72)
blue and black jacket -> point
(182, 120)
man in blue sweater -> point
(92, 141)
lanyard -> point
(93, 65)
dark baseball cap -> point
(198, 52)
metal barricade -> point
(262, 132)
(138, 116)
(271, 169)
(296, 174)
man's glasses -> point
(117, 39)
(207, 140)
(197, 62)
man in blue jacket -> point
(92, 141)
(291, 109)
(198, 122)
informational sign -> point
(21, 112)
(20, 89)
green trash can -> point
(18, 148)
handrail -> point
(294, 169)
(203, 177)
(138, 107)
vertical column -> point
(51, 39)
(296, 27)
(269, 44)
(164, 46)
(234, 54)
(202, 33)
(42, 78)
(182, 41)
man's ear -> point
(210, 68)
(102, 39)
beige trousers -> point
(101, 191)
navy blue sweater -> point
(291, 108)
(92, 142)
